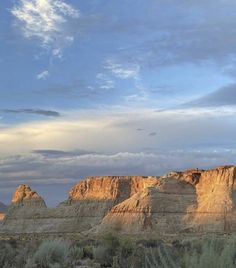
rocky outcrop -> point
(91, 199)
(190, 201)
(110, 187)
(24, 196)
(216, 199)
(22, 214)
(160, 209)
(88, 202)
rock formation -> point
(190, 201)
(91, 199)
(88, 202)
(159, 209)
(24, 196)
(23, 211)
(110, 187)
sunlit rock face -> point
(216, 199)
(24, 196)
(91, 199)
(159, 209)
(22, 214)
(88, 202)
(110, 187)
(192, 201)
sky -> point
(114, 88)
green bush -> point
(88, 252)
(51, 253)
(214, 253)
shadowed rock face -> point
(3, 209)
(190, 201)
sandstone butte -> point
(193, 201)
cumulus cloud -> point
(47, 21)
(43, 75)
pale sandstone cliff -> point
(91, 199)
(160, 209)
(88, 202)
(190, 201)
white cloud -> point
(114, 130)
(122, 71)
(111, 144)
(42, 75)
(35, 169)
(105, 81)
(46, 21)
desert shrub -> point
(126, 248)
(107, 249)
(7, 256)
(76, 252)
(214, 253)
(161, 257)
(51, 253)
(111, 242)
(101, 255)
(88, 252)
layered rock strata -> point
(88, 202)
(191, 201)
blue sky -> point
(114, 87)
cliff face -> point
(88, 202)
(91, 199)
(110, 187)
(160, 209)
(190, 201)
(216, 198)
